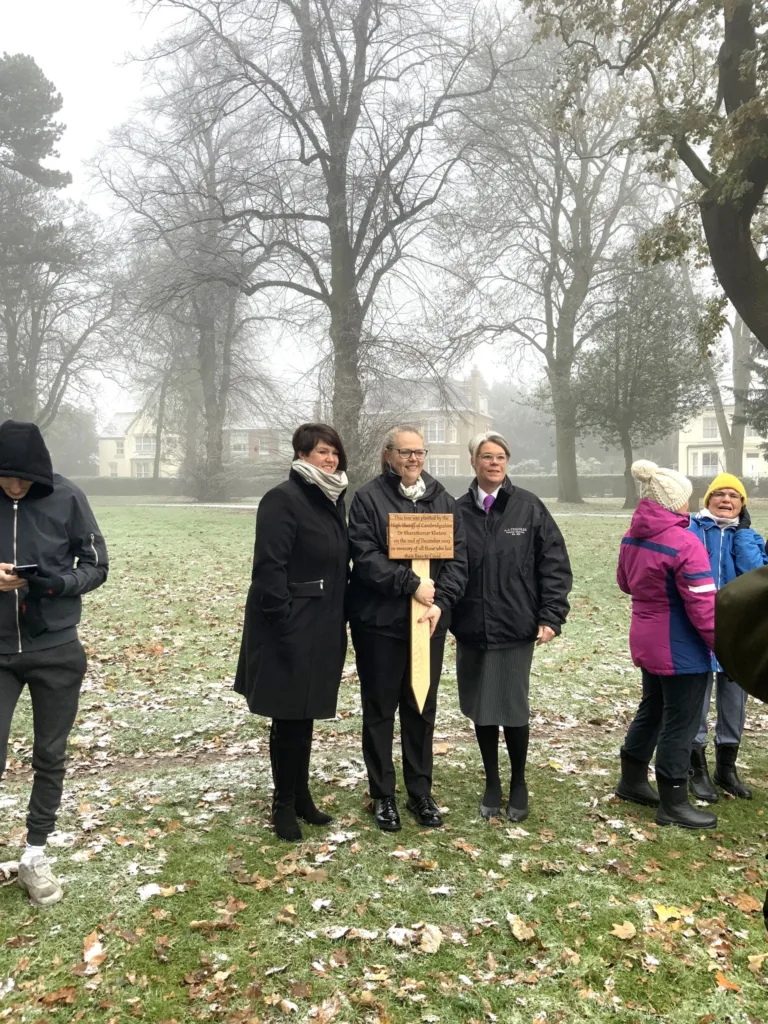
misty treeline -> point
(383, 187)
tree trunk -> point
(737, 264)
(564, 407)
(346, 328)
(724, 429)
(160, 425)
(742, 378)
(630, 488)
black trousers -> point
(54, 677)
(383, 665)
(667, 719)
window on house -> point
(145, 444)
(710, 463)
(436, 432)
(694, 471)
(256, 446)
(113, 469)
(443, 467)
(142, 470)
(120, 450)
(238, 444)
(453, 433)
(711, 432)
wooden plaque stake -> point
(419, 639)
(420, 537)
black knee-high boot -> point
(516, 740)
(284, 755)
(305, 805)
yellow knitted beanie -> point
(725, 480)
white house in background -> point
(127, 447)
(702, 453)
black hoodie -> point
(52, 527)
(380, 587)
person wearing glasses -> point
(733, 548)
(516, 598)
(379, 612)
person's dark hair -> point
(309, 435)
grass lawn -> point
(182, 906)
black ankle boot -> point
(633, 784)
(726, 776)
(699, 781)
(674, 808)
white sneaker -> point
(38, 879)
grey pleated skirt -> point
(493, 685)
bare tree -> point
(168, 171)
(553, 197)
(346, 101)
(58, 299)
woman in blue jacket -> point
(733, 548)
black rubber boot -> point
(285, 765)
(675, 809)
(699, 781)
(633, 784)
(305, 805)
(726, 775)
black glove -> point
(745, 520)
(41, 583)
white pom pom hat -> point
(666, 487)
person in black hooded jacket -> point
(516, 597)
(379, 603)
(49, 536)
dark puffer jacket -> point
(52, 527)
(519, 571)
(380, 587)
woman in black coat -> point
(379, 612)
(294, 636)
(516, 598)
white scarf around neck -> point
(721, 521)
(415, 491)
(332, 485)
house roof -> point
(420, 396)
(119, 425)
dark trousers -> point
(383, 665)
(54, 677)
(667, 719)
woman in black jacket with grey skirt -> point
(294, 636)
(516, 598)
(379, 611)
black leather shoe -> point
(385, 813)
(425, 811)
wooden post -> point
(418, 537)
(419, 639)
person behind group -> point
(49, 533)
(294, 633)
(733, 548)
(379, 606)
(665, 569)
(516, 598)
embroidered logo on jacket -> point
(516, 531)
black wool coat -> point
(519, 571)
(294, 635)
(380, 587)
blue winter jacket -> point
(731, 552)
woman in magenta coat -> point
(665, 569)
